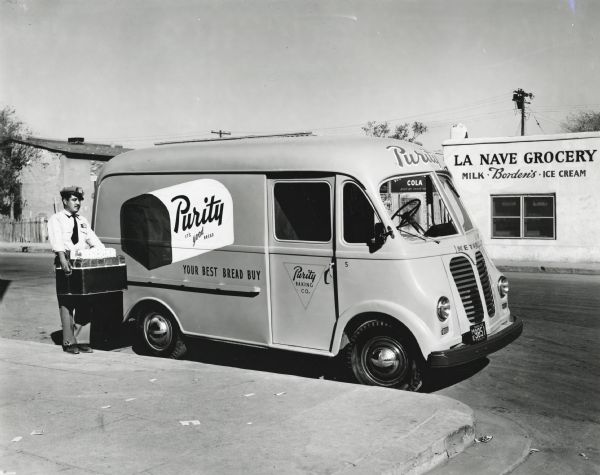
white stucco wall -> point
(45, 177)
(39, 184)
(567, 165)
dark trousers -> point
(75, 315)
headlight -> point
(443, 309)
(503, 286)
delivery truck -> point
(353, 247)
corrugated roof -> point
(91, 151)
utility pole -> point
(220, 132)
(519, 97)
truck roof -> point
(366, 158)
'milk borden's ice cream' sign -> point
(178, 222)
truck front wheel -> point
(381, 355)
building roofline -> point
(84, 150)
(525, 138)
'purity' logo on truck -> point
(190, 219)
(414, 157)
(305, 279)
(176, 223)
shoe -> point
(71, 349)
(85, 348)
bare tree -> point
(374, 129)
(401, 132)
(13, 158)
(582, 121)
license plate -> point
(478, 332)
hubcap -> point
(385, 360)
(158, 331)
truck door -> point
(301, 236)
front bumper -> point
(468, 353)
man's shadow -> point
(107, 331)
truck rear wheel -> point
(381, 355)
(158, 334)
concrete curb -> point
(549, 269)
(508, 448)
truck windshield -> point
(456, 203)
(417, 207)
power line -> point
(444, 116)
(546, 117)
(473, 105)
(538, 123)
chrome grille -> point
(485, 284)
(464, 278)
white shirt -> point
(60, 229)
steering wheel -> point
(408, 216)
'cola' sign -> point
(177, 222)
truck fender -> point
(410, 320)
(153, 300)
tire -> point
(158, 334)
(379, 354)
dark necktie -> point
(75, 235)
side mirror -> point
(381, 234)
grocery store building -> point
(534, 198)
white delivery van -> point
(313, 244)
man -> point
(68, 232)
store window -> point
(302, 211)
(524, 217)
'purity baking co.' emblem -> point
(178, 222)
(305, 279)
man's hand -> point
(64, 263)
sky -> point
(137, 72)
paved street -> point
(546, 382)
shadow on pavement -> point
(3, 287)
(269, 360)
(114, 335)
(111, 335)
(437, 379)
(56, 337)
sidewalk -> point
(118, 413)
(25, 247)
(585, 268)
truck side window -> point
(359, 216)
(302, 211)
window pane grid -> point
(536, 218)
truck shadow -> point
(267, 360)
(437, 379)
(312, 366)
(116, 336)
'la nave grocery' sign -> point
(524, 165)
